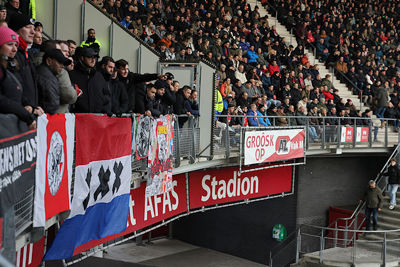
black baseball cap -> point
(57, 55)
(170, 76)
(86, 52)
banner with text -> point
(212, 187)
(273, 145)
(145, 211)
(347, 135)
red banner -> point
(147, 211)
(212, 187)
(30, 255)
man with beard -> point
(91, 41)
(119, 97)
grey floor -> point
(174, 253)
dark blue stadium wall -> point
(246, 230)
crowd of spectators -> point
(360, 39)
(257, 72)
(59, 76)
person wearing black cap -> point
(96, 95)
(48, 85)
(171, 88)
(23, 26)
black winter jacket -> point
(96, 96)
(119, 97)
(27, 76)
(49, 90)
(145, 103)
(11, 97)
(132, 82)
(393, 172)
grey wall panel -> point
(96, 20)
(148, 60)
(45, 14)
(69, 20)
(206, 94)
(184, 75)
(125, 46)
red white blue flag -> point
(100, 204)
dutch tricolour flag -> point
(100, 204)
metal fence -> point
(320, 134)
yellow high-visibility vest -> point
(219, 104)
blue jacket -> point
(252, 56)
(125, 23)
(252, 120)
(192, 107)
(263, 120)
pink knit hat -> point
(7, 35)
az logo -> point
(282, 145)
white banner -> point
(273, 145)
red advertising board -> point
(273, 145)
(347, 134)
(30, 255)
(147, 211)
(362, 134)
(212, 187)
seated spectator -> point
(48, 84)
(126, 22)
(225, 87)
(252, 115)
(301, 120)
(241, 75)
(262, 117)
(10, 87)
(281, 120)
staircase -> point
(346, 244)
(344, 92)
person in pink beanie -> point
(10, 87)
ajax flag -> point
(54, 166)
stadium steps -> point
(344, 92)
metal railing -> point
(327, 248)
(342, 235)
(319, 136)
(353, 221)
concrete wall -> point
(244, 231)
(333, 181)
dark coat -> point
(145, 103)
(11, 97)
(96, 95)
(373, 198)
(49, 90)
(27, 76)
(393, 172)
(119, 97)
(131, 83)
